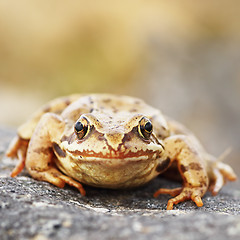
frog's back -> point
(118, 105)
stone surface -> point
(37, 210)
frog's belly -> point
(115, 173)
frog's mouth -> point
(114, 157)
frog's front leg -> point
(39, 158)
(191, 167)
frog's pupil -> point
(78, 126)
(148, 127)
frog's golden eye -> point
(81, 128)
(145, 128)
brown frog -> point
(114, 141)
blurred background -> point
(182, 57)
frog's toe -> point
(197, 199)
(21, 163)
(183, 196)
(73, 183)
(173, 192)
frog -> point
(117, 142)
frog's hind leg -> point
(18, 148)
(221, 173)
(40, 155)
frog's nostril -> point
(114, 139)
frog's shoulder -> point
(56, 106)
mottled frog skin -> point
(114, 141)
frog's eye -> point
(81, 128)
(145, 128)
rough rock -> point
(30, 209)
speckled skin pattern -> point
(114, 141)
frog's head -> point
(113, 144)
(115, 140)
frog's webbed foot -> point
(181, 195)
(18, 149)
(221, 173)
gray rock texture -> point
(30, 209)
